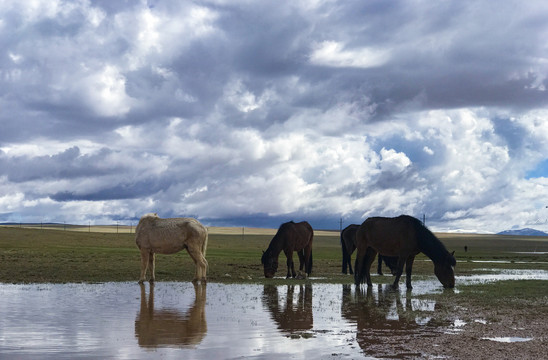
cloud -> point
(331, 53)
(234, 111)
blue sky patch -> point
(540, 171)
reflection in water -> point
(384, 320)
(291, 315)
(252, 321)
(165, 327)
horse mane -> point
(150, 215)
(429, 244)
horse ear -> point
(453, 253)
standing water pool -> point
(172, 320)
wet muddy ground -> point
(232, 321)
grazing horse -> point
(290, 237)
(404, 237)
(348, 245)
(168, 236)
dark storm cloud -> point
(66, 165)
(119, 191)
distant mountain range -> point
(524, 232)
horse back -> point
(297, 235)
(168, 236)
(390, 236)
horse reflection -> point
(384, 322)
(292, 315)
(171, 327)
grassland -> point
(107, 254)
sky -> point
(253, 113)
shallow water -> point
(508, 339)
(220, 321)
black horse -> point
(348, 245)
(290, 237)
(404, 237)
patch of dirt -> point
(467, 340)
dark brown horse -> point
(290, 237)
(348, 245)
(404, 237)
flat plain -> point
(515, 307)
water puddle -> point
(506, 262)
(507, 339)
(456, 327)
(223, 321)
(501, 275)
(531, 252)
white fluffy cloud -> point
(250, 114)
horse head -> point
(270, 264)
(445, 271)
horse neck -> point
(275, 247)
(432, 246)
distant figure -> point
(465, 248)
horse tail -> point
(309, 265)
(345, 255)
(204, 246)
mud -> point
(229, 321)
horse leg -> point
(307, 255)
(302, 261)
(408, 270)
(369, 258)
(349, 259)
(200, 263)
(151, 263)
(399, 271)
(358, 266)
(379, 265)
(290, 264)
(349, 262)
(144, 264)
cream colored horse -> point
(168, 236)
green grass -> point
(57, 256)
